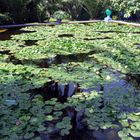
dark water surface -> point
(7, 34)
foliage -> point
(100, 61)
(5, 18)
(20, 10)
(126, 6)
(72, 7)
(94, 8)
(61, 15)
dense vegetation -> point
(22, 11)
(57, 81)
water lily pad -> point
(28, 135)
(49, 118)
(41, 128)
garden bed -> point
(69, 82)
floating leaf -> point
(28, 135)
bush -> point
(61, 15)
(5, 19)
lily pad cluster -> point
(102, 58)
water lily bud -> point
(18, 122)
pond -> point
(70, 82)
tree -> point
(72, 7)
(126, 6)
(22, 11)
(94, 7)
(16, 8)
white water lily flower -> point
(97, 72)
(113, 50)
(108, 77)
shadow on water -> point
(58, 59)
(7, 35)
(29, 43)
(13, 60)
(137, 45)
(102, 38)
(5, 52)
(65, 35)
(113, 31)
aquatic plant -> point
(91, 80)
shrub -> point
(5, 18)
(61, 15)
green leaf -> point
(49, 118)
(41, 128)
(28, 135)
(64, 132)
(135, 133)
